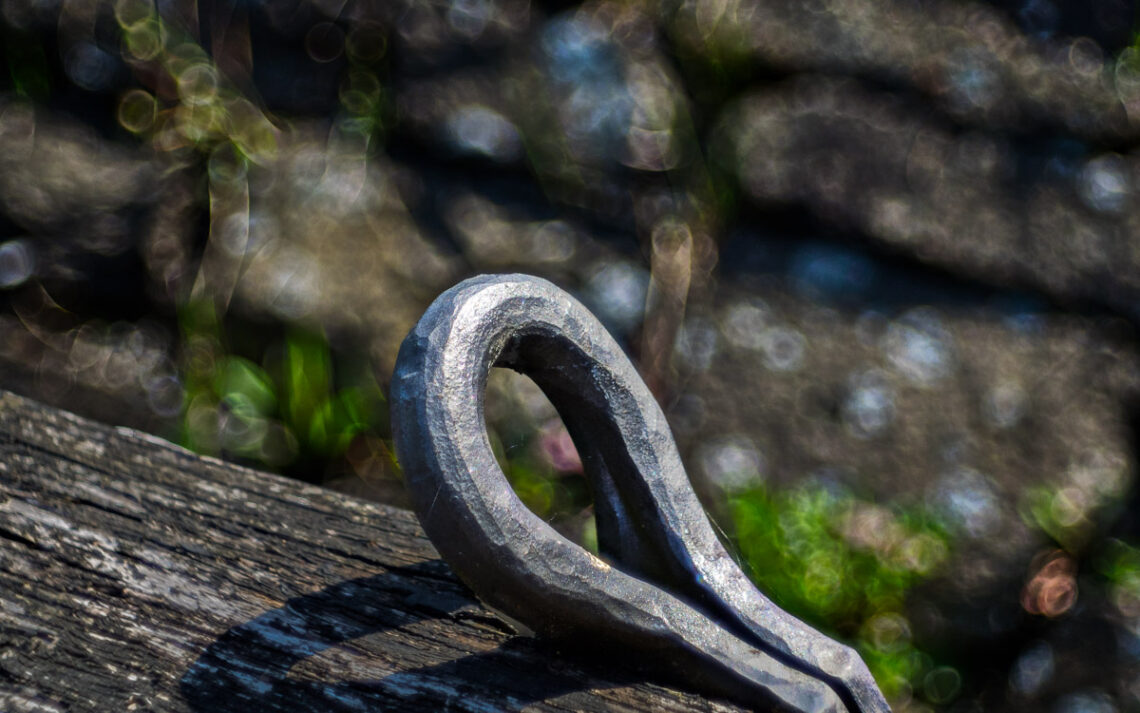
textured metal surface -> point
(667, 591)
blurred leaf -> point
(307, 379)
(339, 420)
(241, 378)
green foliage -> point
(844, 565)
(1119, 564)
(284, 410)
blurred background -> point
(879, 261)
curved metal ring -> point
(673, 593)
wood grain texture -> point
(135, 575)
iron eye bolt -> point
(668, 591)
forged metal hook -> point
(669, 591)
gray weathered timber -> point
(670, 594)
(137, 576)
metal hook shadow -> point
(248, 667)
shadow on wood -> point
(250, 664)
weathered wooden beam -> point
(135, 575)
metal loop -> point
(669, 589)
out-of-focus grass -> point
(290, 407)
(844, 565)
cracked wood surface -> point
(135, 575)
